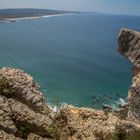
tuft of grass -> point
(54, 131)
(23, 132)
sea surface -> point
(74, 58)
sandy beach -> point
(34, 17)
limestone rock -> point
(86, 123)
(26, 90)
(134, 99)
(32, 121)
(91, 124)
(129, 46)
(6, 122)
(22, 106)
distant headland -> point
(13, 14)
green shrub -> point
(134, 135)
(120, 133)
(23, 132)
(123, 134)
(53, 131)
(6, 88)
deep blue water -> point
(73, 57)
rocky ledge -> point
(24, 114)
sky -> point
(126, 7)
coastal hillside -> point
(24, 114)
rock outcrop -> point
(24, 114)
(22, 106)
(27, 91)
(129, 46)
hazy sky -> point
(106, 6)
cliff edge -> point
(129, 46)
(24, 114)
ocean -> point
(73, 58)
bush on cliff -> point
(6, 88)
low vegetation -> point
(122, 134)
(54, 131)
(6, 88)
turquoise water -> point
(72, 57)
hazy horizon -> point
(129, 7)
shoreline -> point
(32, 17)
(114, 106)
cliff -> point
(129, 46)
(24, 114)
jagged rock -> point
(22, 106)
(86, 123)
(26, 90)
(129, 46)
(27, 118)
(107, 108)
(6, 122)
(91, 124)
(135, 70)
(134, 100)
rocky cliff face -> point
(129, 46)
(22, 106)
(24, 115)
